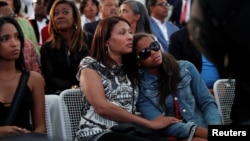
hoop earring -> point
(75, 26)
(107, 50)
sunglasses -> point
(146, 52)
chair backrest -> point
(52, 117)
(71, 103)
(224, 96)
(47, 118)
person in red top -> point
(44, 31)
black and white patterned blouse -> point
(118, 90)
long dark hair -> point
(17, 6)
(19, 63)
(168, 76)
(99, 50)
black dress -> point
(22, 118)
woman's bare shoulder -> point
(36, 78)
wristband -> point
(74, 87)
(192, 131)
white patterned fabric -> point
(118, 90)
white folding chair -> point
(71, 103)
(224, 96)
(52, 117)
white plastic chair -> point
(224, 96)
(53, 118)
(71, 103)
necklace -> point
(10, 78)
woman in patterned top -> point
(107, 78)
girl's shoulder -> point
(35, 78)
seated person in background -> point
(66, 46)
(181, 12)
(40, 19)
(89, 11)
(31, 58)
(107, 8)
(136, 14)
(160, 27)
(45, 30)
(182, 48)
(27, 28)
(12, 69)
(174, 88)
(108, 81)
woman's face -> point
(127, 13)
(10, 45)
(63, 17)
(121, 40)
(148, 52)
(90, 9)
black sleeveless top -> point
(22, 118)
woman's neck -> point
(133, 27)
(117, 59)
(8, 71)
(7, 66)
(67, 36)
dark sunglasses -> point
(146, 52)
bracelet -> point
(192, 131)
(74, 87)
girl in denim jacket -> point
(174, 88)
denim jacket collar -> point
(148, 78)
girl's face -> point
(121, 40)
(10, 45)
(63, 17)
(127, 13)
(148, 53)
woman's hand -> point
(12, 130)
(162, 121)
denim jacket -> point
(196, 105)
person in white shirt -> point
(40, 19)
